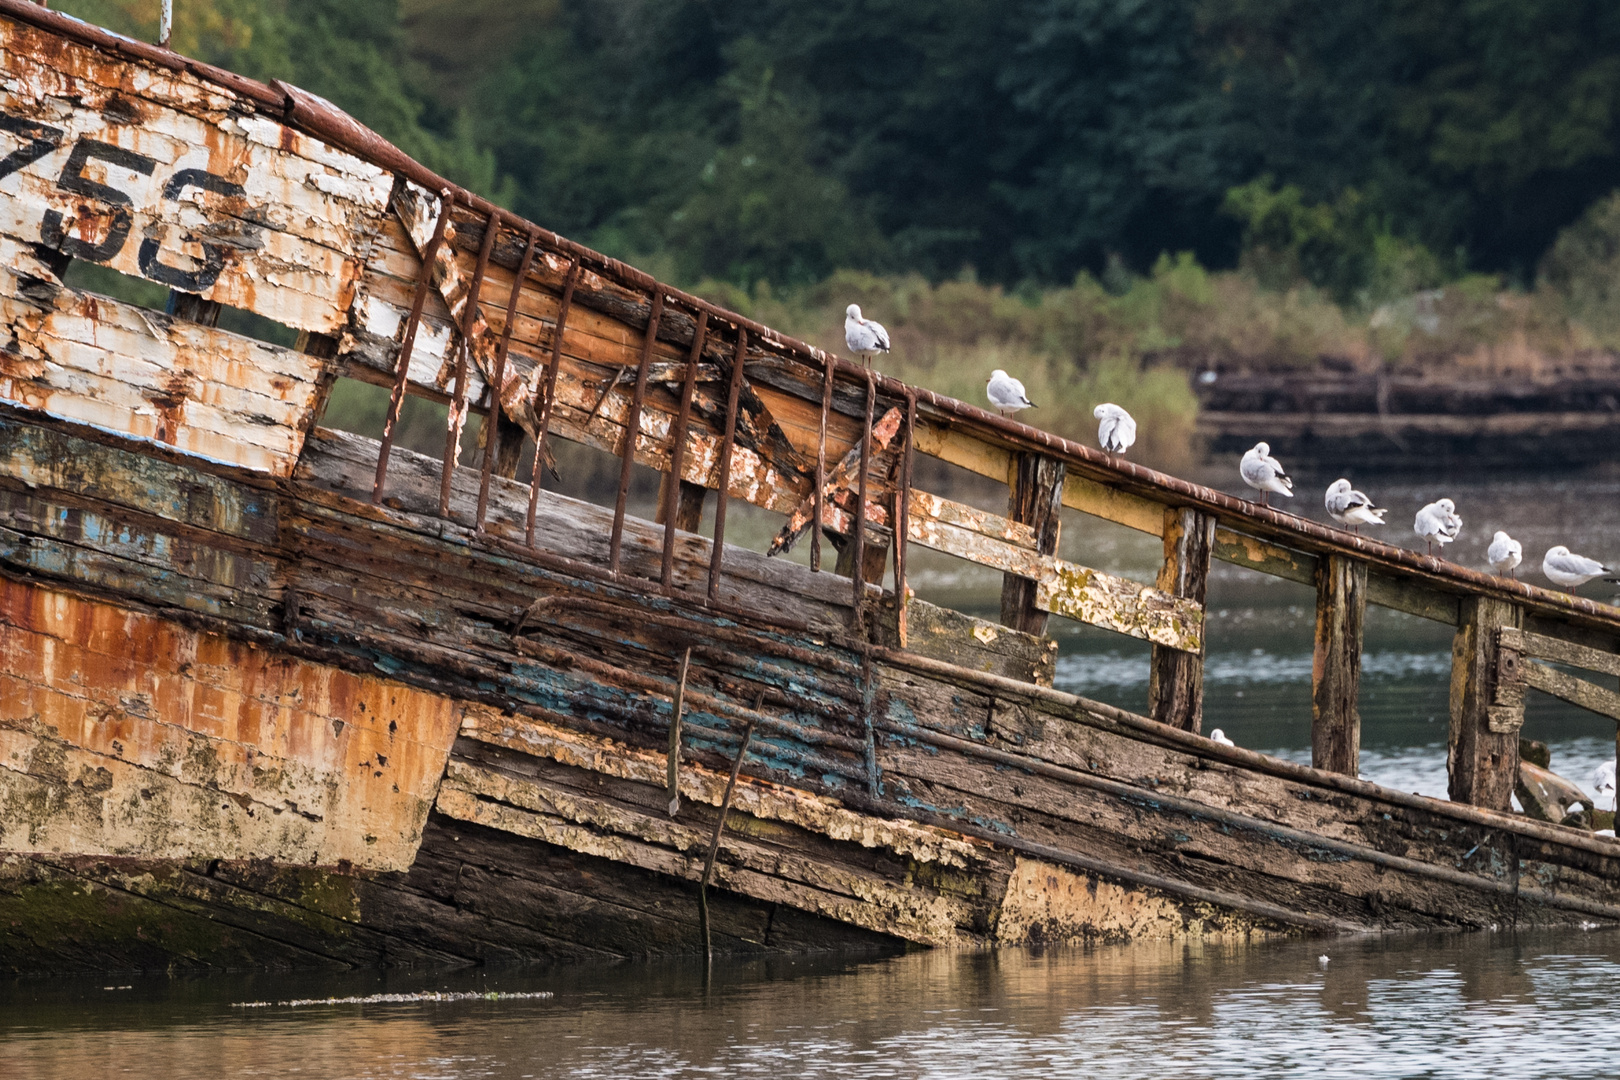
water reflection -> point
(1531, 1005)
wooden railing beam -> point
(1035, 500)
(1482, 756)
(1176, 676)
(1341, 605)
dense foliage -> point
(1378, 144)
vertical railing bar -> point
(718, 551)
(457, 418)
(632, 428)
(396, 400)
(858, 544)
(547, 399)
(677, 452)
(494, 422)
(821, 464)
(902, 517)
(677, 706)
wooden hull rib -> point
(257, 709)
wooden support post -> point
(688, 503)
(1341, 607)
(874, 559)
(1036, 500)
(1176, 677)
(1482, 758)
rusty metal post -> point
(548, 399)
(724, 478)
(408, 342)
(858, 540)
(902, 518)
(720, 827)
(677, 452)
(676, 708)
(493, 423)
(821, 465)
(457, 418)
(632, 428)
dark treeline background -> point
(1026, 139)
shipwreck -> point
(274, 695)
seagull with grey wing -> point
(1006, 393)
(1505, 553)
(865, 338)
(1350, 507)
(1564, 567)
(1117, 432)
(1438, 523)
(1265, 473)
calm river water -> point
(1502, 1004)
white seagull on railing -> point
(864, 337)
(1350, 507)
(1262, 471)
(1564, 567)
(1006, 393)
(1117, 431)
(1603, 780)
(1220, 736)
(1505, 553)
(1438, 523)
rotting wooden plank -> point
(1341, 605)
(1242, 549)
(1111, 504)
(1481, 763)
(968, 642)
(148, 376)
(1546, 647)
(1176, 675)
(39, 457)
(1566, 687)
(1121, 605)
(1033, 501)
(193, 192)
(1412, 597)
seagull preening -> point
(1007, 393)
(1220, 736)
(1117, 431)
(1350, 507)
(1564, 567)
(1438, 523)
(1505, 553)
(864, 337)
(1262, 471)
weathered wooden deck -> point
(274, 694)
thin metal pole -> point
(821, 466)
(902, 518)
(395, 402)
(165, 22)
(677, 452)
(458, 399)
(858, 543)
(675, 735)
(720, 827)
(725, 465)
(493, 427)
(548, 399)
(632, 428)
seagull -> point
(1117, 431)
(1565, 568)
(1323, 960)
(1262, 471)
(864, 337)
(1603, 780)
(1220, 736)
(1348, 506)
(1505, 553)
(1438, 523)
(1007, 394)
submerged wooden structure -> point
(272, 694)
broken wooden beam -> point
(1341, 605)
